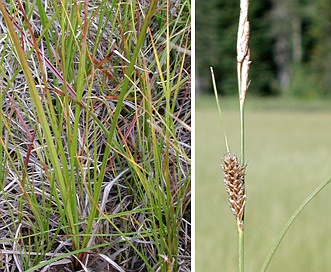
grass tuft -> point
(95, 136)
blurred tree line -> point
(290, 46)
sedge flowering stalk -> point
(243, 63)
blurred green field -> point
(288, 151)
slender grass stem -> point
(241, 249)
(291, 221)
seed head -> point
(234, 180)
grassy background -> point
(288, 148)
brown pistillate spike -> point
(234, 180)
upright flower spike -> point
(234, 180)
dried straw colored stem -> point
(234, 180)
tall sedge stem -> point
(241, 236)
(234, 168)
(241, 228)
(241, 249)
(242, 132)
(243, 62)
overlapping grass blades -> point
(95, 137)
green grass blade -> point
(219, 108)
(291, 221)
